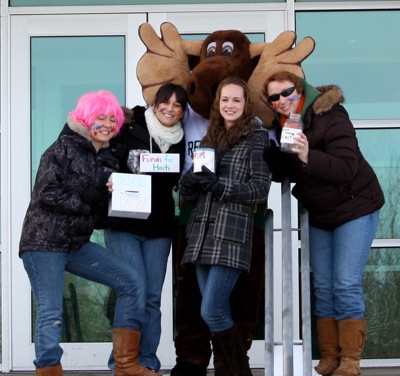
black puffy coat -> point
(161, 221)
(69, 192)
(337, 185)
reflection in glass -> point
(383, 153)
(382, 292)
(64, 68)
(363, 61)
(382, 297)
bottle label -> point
(288, 134)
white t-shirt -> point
(195, 128)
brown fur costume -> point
(200, 66)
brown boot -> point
(126, 343)
(328, 343)
(352, 336)
(50, 371)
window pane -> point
(30, 3)
(382, 291)
(383, 155)
(64, 68)
(321, 1)
(363, 61)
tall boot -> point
(233, 351)
(221, 365)
(328, 343)
(50, 371)
(352, 336)
(126, 344)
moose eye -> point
(211, 49)
(227, 49)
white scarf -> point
(162, 135)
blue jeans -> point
(338, 260)
(147, 259)
(46, 274)
(216, 283)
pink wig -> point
(96, 103)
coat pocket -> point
(231, 226)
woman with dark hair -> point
(70, 190)
(145, 244)
(219, 232)
(342, 195)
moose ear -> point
(256, 49)
(192, 47)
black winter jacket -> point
(69, 192)
(161, 221)
(337, 185)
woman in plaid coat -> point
(220, 228)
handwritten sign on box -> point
(159, 162)
(131, 196)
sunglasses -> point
(284, 93)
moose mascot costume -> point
(199, 66)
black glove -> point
(207, 179)
(189, 180)
(92, 196)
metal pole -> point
(287, 292)
(269, 294)
(305, 293)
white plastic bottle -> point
(292, 127)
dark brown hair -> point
(284, 76)
(166, 91)
(220, 138)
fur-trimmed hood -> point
(330, 95)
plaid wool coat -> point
(220, 227)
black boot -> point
(188, 369)
(235, 361)
(221, 365)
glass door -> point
(54, 60)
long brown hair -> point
(220, 138)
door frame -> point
(22, 28)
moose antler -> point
(166, 58)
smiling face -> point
(231, 104)
(168, 112)
(102, 130)
(288, 100)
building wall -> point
(361, 59)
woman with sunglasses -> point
(343, 196)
